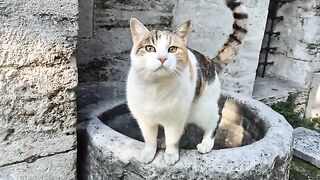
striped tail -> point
(231, 47)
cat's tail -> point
(231, 47)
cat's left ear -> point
(182, 30)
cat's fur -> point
(175, 86)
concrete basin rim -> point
(276, 143)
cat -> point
(172, 85)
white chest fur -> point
(161, 101)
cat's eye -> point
(150, 48)
(172, 49)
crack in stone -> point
(294, 58)
(303, 60)
(33, 158)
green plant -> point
(301, 170)
(296, 119)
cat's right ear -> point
(138, 30)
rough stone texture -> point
(209, 36)
(306, 145)
(104, 56)
(301, 97)
(297, 56)
(94, 93)
(112, 155)
(37, 76)
(271, 90)
(111, 40)
(30, 146)
(85, 19)
(56, 166)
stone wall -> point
(103, 52)
(104, 44)
(211, 25)
(37, 76)
(298, 53)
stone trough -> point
(252, 142)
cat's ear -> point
(182, 30)
(138, 30)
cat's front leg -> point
(172, 134)
(149, 133)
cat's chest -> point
(157, 100)
(159, 107)
(149, 95)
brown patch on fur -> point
(182, 52)
(203, 87)
(229, 50)
(198, 84)
(139, 48)
(173, 40)
(207, 66)
(201, 84)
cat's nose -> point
(162, 59)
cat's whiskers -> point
(178, 71)
(175, 74)
(178, 68)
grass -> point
(301, 170)
(296, 119)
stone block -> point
(291, 69)
(28, 114)
(28, 146)
(297, 56)
(86, 21)
(113, 41)
(306, 145)
(37, 81)
(38, 98)
(271, 90)
(58, 167)
(38, 75)
(37, 33)
(137, 5)
(110, 14)
(88, 94)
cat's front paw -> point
(147, 155)
(204, 148)
(171, 159)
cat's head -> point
(158, 54)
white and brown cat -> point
(172, 85)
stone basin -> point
(252, 142)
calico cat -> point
(172, 85)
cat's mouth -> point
(160, 68)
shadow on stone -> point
(238, 126)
